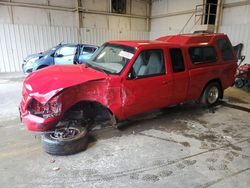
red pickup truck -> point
(123, 79)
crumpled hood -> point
(45, 83)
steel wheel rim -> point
(213, 95)
(64, 133)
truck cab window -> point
(149, 63)
(177, 60)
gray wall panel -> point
(17, 41)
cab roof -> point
(191, 38)
(179, 40)
(137, 43)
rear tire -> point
(211, 94)
(65, 146)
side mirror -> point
(131, 75)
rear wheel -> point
(211, 94)
(65, 140)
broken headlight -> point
(50, 109)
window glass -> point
(205, 54)
(209, 54)
(67, 50)
(149, 62)
(226, 49)
(51, 49)
(112, 58)
(88, 49)
(177, 60)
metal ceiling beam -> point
(83, 10)
(173, 14)
(38, 6)
(79, 9)
(236, 4)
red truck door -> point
(147, 85)
(180, 76)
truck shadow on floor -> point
(164, 119)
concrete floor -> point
(182, 146)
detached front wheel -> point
(65, 141)
(211, 94)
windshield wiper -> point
(87, 65)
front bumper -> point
(35, 123)
(26, 69)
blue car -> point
(60, 54)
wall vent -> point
(118, 6)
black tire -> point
(239, 83)
(211, 94)
(65, 146)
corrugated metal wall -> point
(18, 41)
(239, 34)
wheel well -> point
(89, 110)
(211, 81)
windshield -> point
(112, 58)
(51, 49)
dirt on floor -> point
(182, 146)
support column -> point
(11, 13)
(219, 14)
(148, 13)
(79, 19)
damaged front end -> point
(50, 109)
(41, 112)
(50, 96)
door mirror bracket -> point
(131, 75)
